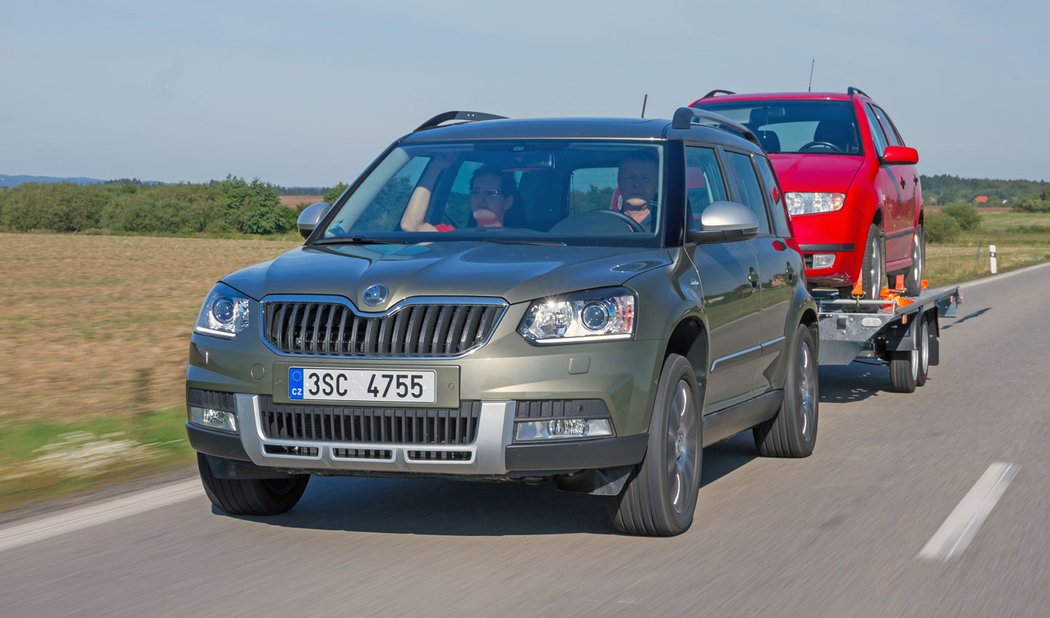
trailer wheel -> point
(906, 365)
(924, 352)
(793, 431)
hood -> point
(816, 172)
(516, 273)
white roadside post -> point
(991, 254)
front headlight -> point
(224, 312)
(813, 203)
(594, 315)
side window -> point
(746, 188)
(776, 199)
(877, 133)
(703, 183)
(591, 188)
(891, 129)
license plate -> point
(361, 385)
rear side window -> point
(703, 183)
(776, 199)
(877, 134)
(746, 188)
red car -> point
(850, 183)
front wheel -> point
(793, 431)
(873, 268)
(660, 498)
(251, 496)
(913, 278)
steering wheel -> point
(631, 223)
(818, 145)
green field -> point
(98, 329)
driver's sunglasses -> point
(486, 192)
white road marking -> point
(955, 534)
(55, 525)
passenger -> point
(637, 181)
(491, 196)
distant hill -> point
(14, 181)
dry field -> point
(99, 325)
(291, 201)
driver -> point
(637, 180)
(491, 196)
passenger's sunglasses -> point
(486, 192)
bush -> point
(1032, 204)
(333, 194)
(942, 228)
(965, 215)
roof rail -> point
(685, 116)
(714, 92)
(454, 115)
(852, 91)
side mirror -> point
(725, 221)
(900, 155)
(310, 217)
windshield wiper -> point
(358, 240)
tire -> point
(924, 353)
(906, 365)
(873, 268)
(913, 278)
(251, 496)
(793, 431)
(660, 497)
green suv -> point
(584, 301)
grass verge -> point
(40, 460)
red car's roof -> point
(765, 96)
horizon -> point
(310, 96)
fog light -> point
(213, 419)
(561, 428)
(823, 260)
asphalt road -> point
(837, 534)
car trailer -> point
(902, 331)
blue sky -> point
(308, 93)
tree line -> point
(945, 189)
(232, 205)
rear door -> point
(777, 264)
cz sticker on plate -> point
(361, 385)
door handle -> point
(752, 276)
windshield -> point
(807, 127)
(559, 191)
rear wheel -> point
(873, 268)
(913, 278)
(251, 496)
(660, 498)
(793, 431)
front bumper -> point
(492, 453)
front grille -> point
(369, 425)
(362, 453)
(333, 329)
